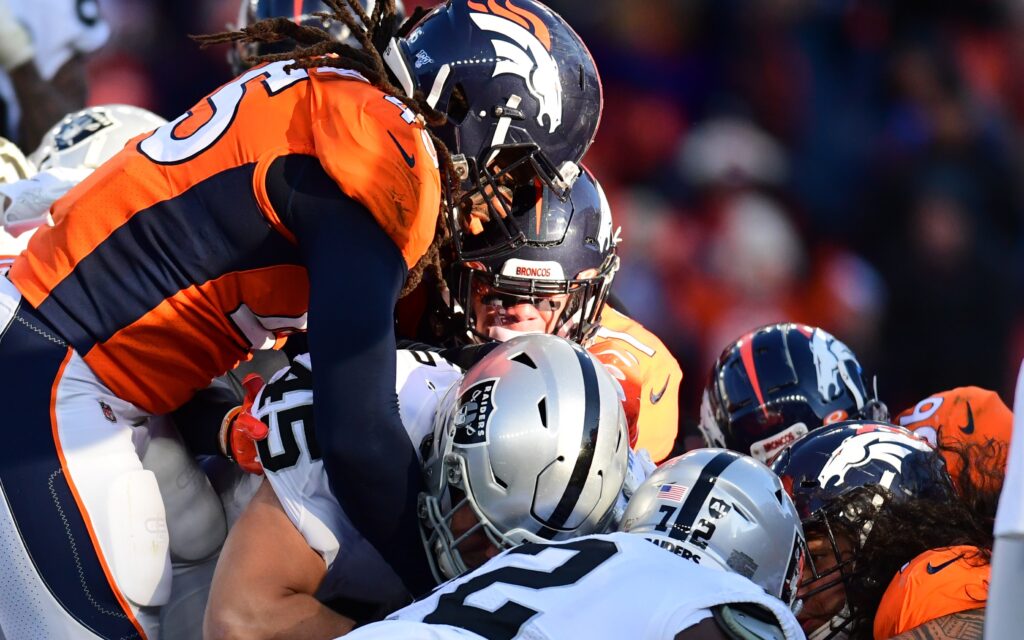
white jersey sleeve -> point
(291, 459)
(615, 585)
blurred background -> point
(850, 164)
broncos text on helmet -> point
(556, 282)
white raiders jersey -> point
(59, 29)
(616, 585)
(291, 460)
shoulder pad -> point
(747, 621)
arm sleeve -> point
(199, 419)
(355, 275)
(463, 356)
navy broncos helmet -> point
(563, 272)
(523, 100)
(829, 464)
(301, 12)
(778, 382)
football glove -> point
(240, 430)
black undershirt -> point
(355, 275)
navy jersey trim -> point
(214, 228)
(51, 526)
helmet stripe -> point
(699, 493)
(747, 355)
(588, 443)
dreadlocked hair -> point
(888, 532)
(978, 469)
(315, 47)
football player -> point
(776, 383)
(288, 193)
(830, 473)
(42, 62)
(529, 445)
(725, 561)
(557, 281)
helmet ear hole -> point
(458, 105)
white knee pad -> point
(195, 516)
(138, 556)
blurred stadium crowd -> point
(849, 164)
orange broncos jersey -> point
(649, 375)
(934, 584)
(168, 264)
(961, 415)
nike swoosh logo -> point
(933, 570)
(409, 160)
(968, 429)
(656, 397)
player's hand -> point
(476, 210)
(240, 430)
(626, 370)
(15, 43)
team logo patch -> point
(831, 358)
(525, 53)
(422, 58)
(475, 407)
(877, 445)
(81, 127)
(108, 413)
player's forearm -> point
(965, 625)
(44, 103)
(355, 275)
(199, 419)
(265, 580)
(292, 616)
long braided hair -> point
(315, 47)
(900, 530)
